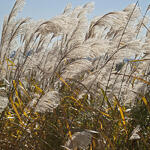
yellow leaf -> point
(13, 135)
(122, 115)
(91, 147)
(119, 123)
(11, 62)
(19, 132)
(35, 116)
(146, 103)
(69, 132)
(94, 144)
(10, 116)
(101, 126)
(107, 115)
(137, 78)
(144, 100)
(137, 60)
(17, 104)
(38, 89)
(35, 133)
(25, 114)
(77, 101)
(15, 109)
(17, 95)
(61, 79)
(114, 137)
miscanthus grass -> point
(73, 83)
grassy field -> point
(73, 83)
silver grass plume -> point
(46, 103)
(134, 135)
(3, 99)
(10, 30)
(79, 140)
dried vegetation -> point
(67, 83)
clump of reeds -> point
(71, 83)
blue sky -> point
(38, 9)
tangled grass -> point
(67, 83)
